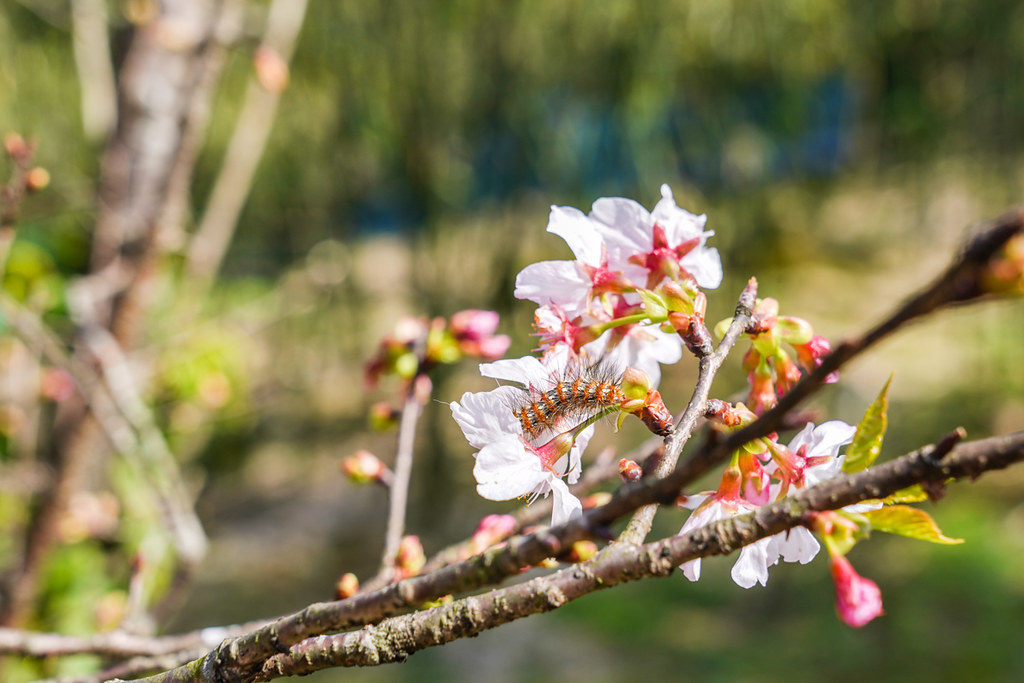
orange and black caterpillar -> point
(583, 392)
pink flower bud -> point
(474, 331)
(56, 385)
(762, 392)
(271, 70)
(36, 178)
(363, 467)
(383, 416)
(410, 558)
(473, 324)
(629, 470)
(595, 500)
(858, 600)
(810, 355)
(491, 530)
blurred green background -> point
(840, 150)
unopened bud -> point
(717, 410)
(595, 500)
(421, 389)
(362, 467)
(635, 383)
(655, 414)
(581, 551)
(347, 586)
(16, 147)
(271, 70)
(383, 416)
(410, 558)
(629, 470)
(492, 529)
(37, 178)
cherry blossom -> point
(509, 466)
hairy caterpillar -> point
(582, 392)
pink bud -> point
(36, 178)
(474, 332)
(271, 69)
(363, 467)
(473, 324)
(629, 470)
(491, 530)
(410, 558)
(810, 355)
(595, 500)
(858, 600)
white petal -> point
(564, 505)
(679, 224)
(526, 371)
(558, 283)
(797, 545)
(578, 232)
(705, 265)
(505, 470)
(752, 565)
(485, 416)
(625, 226)
(691, 569)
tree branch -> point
(234, 658)
(395, 639)
(663, 463)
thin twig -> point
(212, 237)
(398, 491)
(640, 525)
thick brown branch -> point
(395, 639)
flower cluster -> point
(610, 304)
(765, 471)
(627, 303)
(756, 478)
(771, 371)
(417, 344)
(631, 268)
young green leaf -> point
(909, 521)
(911, 494)
(867, 442)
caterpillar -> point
(580, 393)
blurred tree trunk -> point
(165, 79)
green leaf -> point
(911, 494)
(867, 442)
(910, 522)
